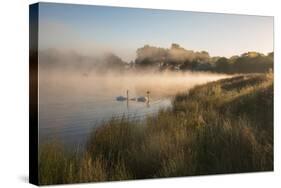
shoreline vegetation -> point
(224, 126)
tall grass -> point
(221, 127)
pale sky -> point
(96, 29)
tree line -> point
(180, 59)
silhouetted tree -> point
(222, 65)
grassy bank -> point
(221, 127)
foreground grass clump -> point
(221, 127)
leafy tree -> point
(222, 65)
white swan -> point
(142, 99)
(121, 98)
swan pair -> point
(138, 99)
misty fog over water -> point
(72, 103)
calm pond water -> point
(71, 105)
